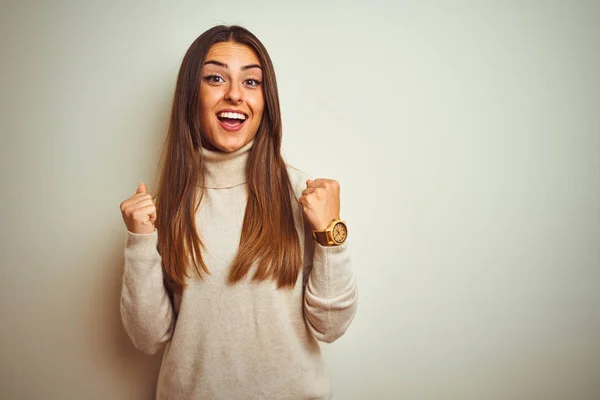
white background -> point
(466, 139)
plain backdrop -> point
(466, 139)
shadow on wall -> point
(113, 351)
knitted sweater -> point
(246, 341)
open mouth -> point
(231, 121)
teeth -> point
(232, 115)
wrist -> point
(323, 225)
(334, 234)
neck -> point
(224, 170)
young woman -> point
(240, 265)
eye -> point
(252, 82)
(213, 79)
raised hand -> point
(320, 202)
(139, 211)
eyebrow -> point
(220, 64)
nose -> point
(233, 95)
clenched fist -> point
(139, 211)
(320, 202)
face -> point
(231, 96)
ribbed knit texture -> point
(246, 341)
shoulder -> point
(298, 179)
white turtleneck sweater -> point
(246, 341)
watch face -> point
(339, 232)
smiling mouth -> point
(231, 121)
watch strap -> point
(321, 238)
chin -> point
(232, 143)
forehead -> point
(232, 53)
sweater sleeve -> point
(330, 297)
(146, 309)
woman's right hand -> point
(139, 211)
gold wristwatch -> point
(334, 235)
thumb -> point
(142, 188)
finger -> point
(142, 188)
(307, 201)
(135, 200)
(132, 201)
(320, 182)
(141, 197)
(132, 208)
(312, 183)
(143, 203)
(302, 201)
(143, 214)
(308, 191)
(153, 218)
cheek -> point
(204, 114)
(207, 105)
(258, 106)
(209, 95)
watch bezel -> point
(332, 227)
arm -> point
(146, 309)
(331, 291)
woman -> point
(224, 270)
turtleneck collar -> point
(224, 170)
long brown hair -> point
(268, 235)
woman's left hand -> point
(320, 202)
